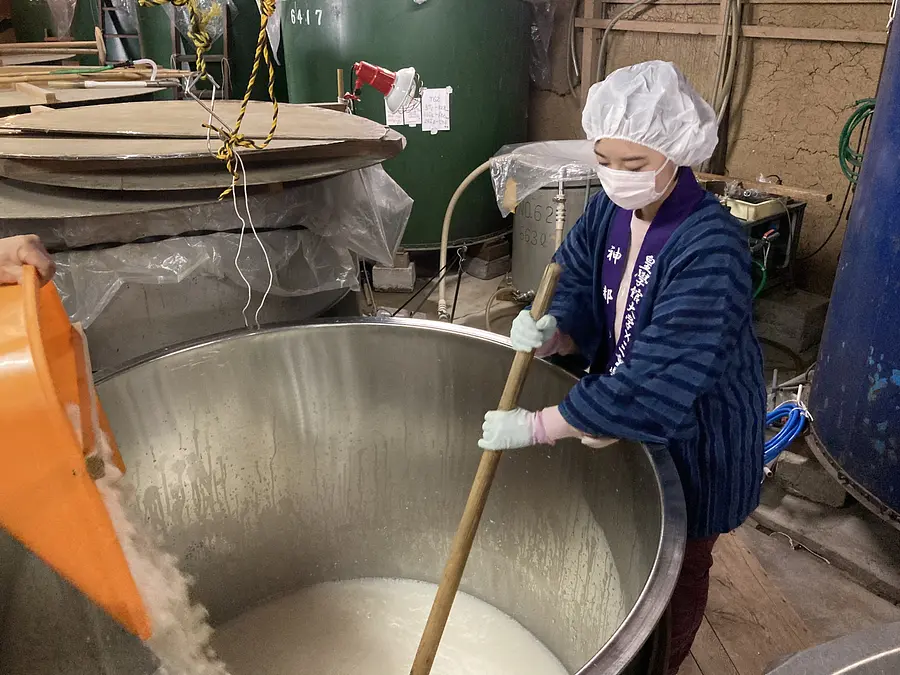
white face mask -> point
(632, 190)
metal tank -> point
(856, 392)
(273, 460)
(870, 652)
(534, 230)
(155, 27)
(143, 319)
(478, 48)
(31, 20)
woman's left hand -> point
(24, 250)
(507, 430)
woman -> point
(22, 250)
(655, 296)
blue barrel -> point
(856, 393)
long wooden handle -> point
(484, 477)
(37, 46)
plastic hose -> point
(489, 307)
(795, 418)
(443, 315)
(762, 282)
(560, 200)
(601, 57)
(851, 160)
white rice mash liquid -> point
(373, 627)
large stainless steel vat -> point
(875, 651)
(282, 458)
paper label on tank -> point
(394, 119)
(436, 109)
(413, 113)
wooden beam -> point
(804, 194)
(768, 32)
(588, 51)
(654, 26)
(874, 37)
(37, 46)
(42, 95)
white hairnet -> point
(654, 105)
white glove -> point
(507, 430)
(528, 334)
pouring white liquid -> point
(372, 627)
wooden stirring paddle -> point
(468, 526)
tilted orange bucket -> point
(48, 499)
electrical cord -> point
(851, 189)
(760, 287)
(461, 254)
(837, 224)
(440, 275)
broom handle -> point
(468, 526)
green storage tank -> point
(31, 20)
(156, 33)
(480, 48)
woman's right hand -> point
(528, 335)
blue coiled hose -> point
(795, 418)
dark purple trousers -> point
(689, 599)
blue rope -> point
(795, 419)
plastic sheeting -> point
(62, 12)
(127, 12)
(518, 171)
(542, 15)
(363, 210)
(362, 213)
(273, 30)
(302, 262)
(216, 25)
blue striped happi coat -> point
(693, 381)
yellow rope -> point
(233, 139)
(197, 32)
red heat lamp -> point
(397, 88)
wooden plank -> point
(25, 59)
(816, 34)
(677, 28)
(690, 667)
(51, 44)
(135, 152)
(766, 32)
(805, 194)
(17, 101)
(588, 52)
(12, 50)
(333, 159)
(37, 93)
(710, 655)
(750, 617)
(185, 119)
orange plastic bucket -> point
(48, 500)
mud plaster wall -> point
(792, 99)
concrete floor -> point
(833, 599)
